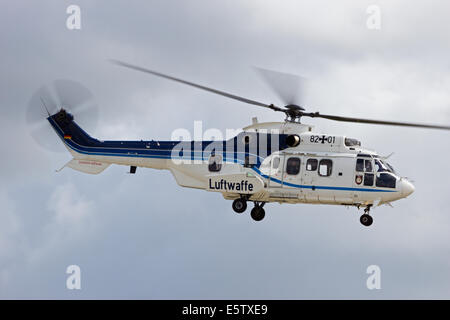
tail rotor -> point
(49, 99)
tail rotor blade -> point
(48, 99)
(78, 100)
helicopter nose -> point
(407, 188)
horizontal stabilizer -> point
(87, 166)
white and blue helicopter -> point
(284, 162)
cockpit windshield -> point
(381, 166)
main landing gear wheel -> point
(366, 220)
(239, 205)
(258, 213)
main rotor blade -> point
(222, 93)
(288, 87)
(370, 121)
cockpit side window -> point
(386, 180)
(380, 166)
(383, 166)
(360, 165)
(368, 179)
(368, 166)
(364, 165)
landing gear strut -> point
(258, 212)
(366, 219)
(239, 205)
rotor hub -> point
(294, 112)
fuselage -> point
(267, 162)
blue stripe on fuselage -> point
(146, 149)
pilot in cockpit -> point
(383, 166)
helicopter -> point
(283, 162)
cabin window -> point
(275, 163)
(311, 164)
(293, 166)
(215, 163)
(386, 180)
(325, 167)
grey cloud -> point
(143, 236)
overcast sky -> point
(143, 236)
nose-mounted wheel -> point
(366, 219)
